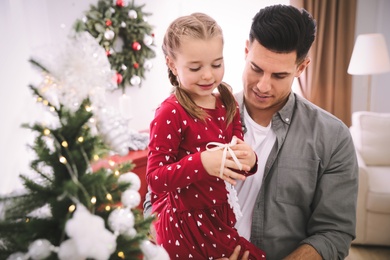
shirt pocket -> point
(296, 180)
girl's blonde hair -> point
(195, 26)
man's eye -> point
(256, 69)
(279, 76)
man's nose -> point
(264, 83)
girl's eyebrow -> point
(195, 62)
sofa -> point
(371, 135)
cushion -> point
(371, 132)
(378, 198)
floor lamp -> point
(369, 56)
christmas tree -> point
(68, 211)
(122, 29)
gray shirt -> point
(309, 189)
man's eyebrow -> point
(282, 73)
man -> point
(301, 204)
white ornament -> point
(121, 220)
(109, 35)
(17, 256)
(91, 237)
(130, 233)
(132, 178)
(114, 130)
(68, 251)
(153, 252)
(78, 67)
(148, 40)
(133, 14)
(131, 198)
(123, 24)
(135, 80)
(39, 249)
(148, 65)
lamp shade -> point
(369, 56)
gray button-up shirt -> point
(310, 183)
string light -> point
(107, 208)
(109, 196)
(45, 102)
(93, 200)
(63, 160)
(52, 109)
(121, 254)
(71, 208)
(64, 144)
(88, 108)
(111, 163)
(92, 120)
(46, 131)
(96, 157)
(39, 99)
(80, 139)
(27, 220)
(116, 173)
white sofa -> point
(371, 135)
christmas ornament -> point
(135, 80)
(153, 252)
(109, 35)
(136, 65)
(118, 78)
(136, 46)
(121, 220)
(133, 14)
(17, 256)
(78, 68)
(131, 198)
(132, 178)
(68, 251)
(131, 38)
(113, 129)
(39, 249)
(90, 236)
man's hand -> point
(303, 252)
(236, 253)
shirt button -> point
(287, 119)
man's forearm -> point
(304, 252)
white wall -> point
(372, 17)
(29, 27)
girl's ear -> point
(171, 65)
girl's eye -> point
(194, 69)
(217, 65)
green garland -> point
(121, 28)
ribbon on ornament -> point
(231, 191)
(226, 148)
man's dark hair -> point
(283, 29)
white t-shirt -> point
(261, 139)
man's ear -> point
(302, 66)
(171, 65)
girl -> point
(190, 179)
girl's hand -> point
(212, 160)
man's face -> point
(268, 78)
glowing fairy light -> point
(39, 99)
(63, 160)
(107, 208)
(45, 102)
(71, 208)
(93, 200)
(121, 254)
(109, 196)
(64, 144)
(80, 139)
(88, 108)
(46, 131)
(52, 109)
(96, 157)
(116, 173)
(111, 163)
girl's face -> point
(199, 67)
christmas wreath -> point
(121, 28)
